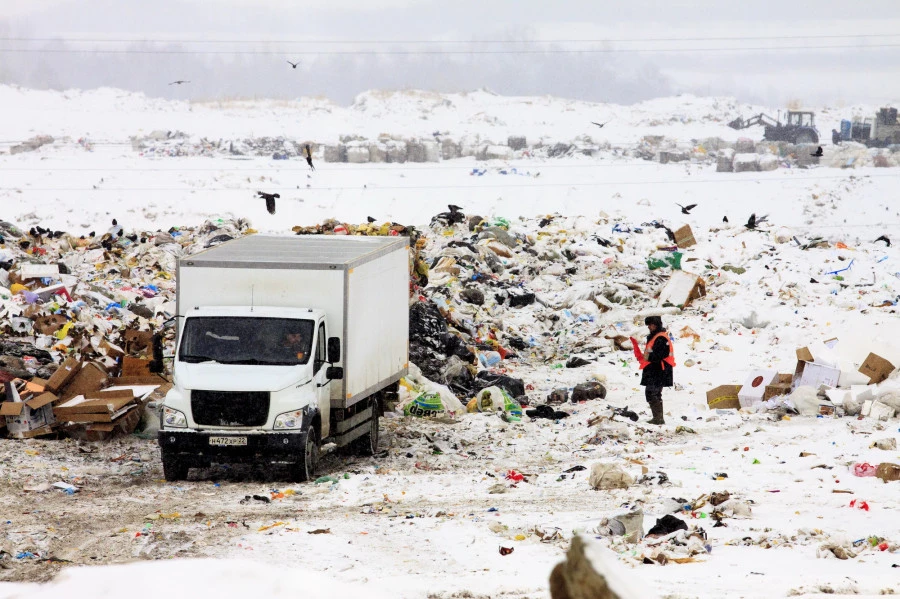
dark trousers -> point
(653, 394)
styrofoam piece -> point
(880, 411)
(862, 392)
(837, 396)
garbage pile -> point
(502, 297)
(83, 317)
(177, 144)
(822, 384)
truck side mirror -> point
(334, 350)
(333, 373)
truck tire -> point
(173, 468)
(305, 469)
(806, 137)
(367, 445)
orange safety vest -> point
(670, 359)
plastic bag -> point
(494, 399)
(427, 405)
(864, 469)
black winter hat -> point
(654, 320)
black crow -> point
(818, 153)
(724, 219)
(293, 64)
(179, 82)
(454, 208)
(686, 209)
(885, 239)
(309, 157)
(270, 200)
(370, 219)
(754, 222)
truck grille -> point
(230, 408)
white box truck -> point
(285, 344)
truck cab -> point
(249, 380)
(312, 364)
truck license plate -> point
(225, 441)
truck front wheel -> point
(173, 468)
(367, 445)
(305, 469)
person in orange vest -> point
(657, 362)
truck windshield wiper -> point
(243, 361)
(198, 359)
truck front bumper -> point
(194, 448)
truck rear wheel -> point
(173, 468)
(367, 445)
(305, 469)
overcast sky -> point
(239, 48)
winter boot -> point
(656, 407)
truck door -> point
(323, 387)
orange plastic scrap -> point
(841, 245)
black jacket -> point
(654, 375)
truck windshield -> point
(246, 340)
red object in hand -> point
(638, 353)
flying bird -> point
(885, 239)
(598, 124)
(293, 64)
(755, 222)
(309, 157)
(179, 82)
(686, 209)
(370, 219)
(724, 219)
(818, 153)
(454, 208)
(270, 200)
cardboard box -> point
(113, 351)
(876, 368)
(98, 403)
(98, 417)
(684, 237)
(135, 367)
(780, 385)
(752, 391)
(137, 341)
(63, 375)
(682, 288)
(724, 397)
(28, 418)
(814, 375)
(91, 377)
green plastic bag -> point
(672, 260)
(426, 405)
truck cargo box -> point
(360, 282)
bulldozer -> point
(799, 126)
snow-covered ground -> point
(417, 523)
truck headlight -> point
(289, 420)
(173, 418)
